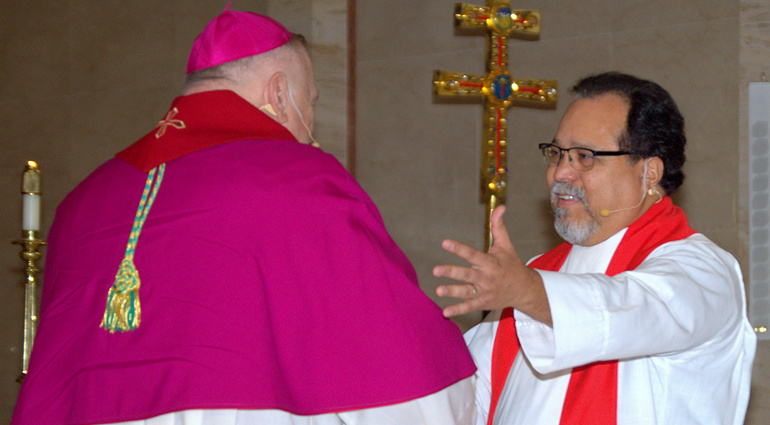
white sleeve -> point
(684, 294)
(480, 340)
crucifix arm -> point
(499, 18)
(447, 83)
(471, 16)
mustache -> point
(562, 188)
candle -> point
(30, 190)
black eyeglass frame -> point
(544, 146)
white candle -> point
(30, 219)
(30, 189)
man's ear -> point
(277, 97)
(655, 170)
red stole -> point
(592, 392)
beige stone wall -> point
(419, 157)
(80, 80)
(754, 58)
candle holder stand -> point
(30, 254)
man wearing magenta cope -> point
(221, 270)
(636, 318)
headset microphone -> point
(653, 191)
(313, 142)
(268, 109)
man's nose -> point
(563, 169)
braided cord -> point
(123, 311)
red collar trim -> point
(199, 121)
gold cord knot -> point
(123, 312)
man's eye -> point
(584, 155)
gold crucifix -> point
(498, 89)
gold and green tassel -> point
(123, 312)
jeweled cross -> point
(498, 89)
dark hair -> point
(654, 126)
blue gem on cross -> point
(504, 20)
(501, 87)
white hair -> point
(241, 71)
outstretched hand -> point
(495, 279)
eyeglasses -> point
(583, 159)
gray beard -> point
(574, 233)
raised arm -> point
(495, 279)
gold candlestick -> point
(30, 253)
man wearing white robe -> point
(674, 324)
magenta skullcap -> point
(235, 35)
